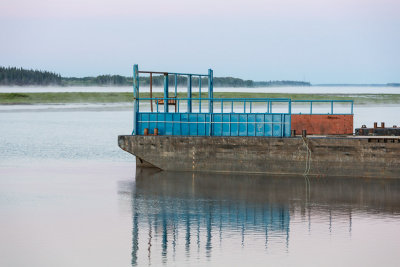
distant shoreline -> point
(124, 97)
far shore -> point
(123, 97)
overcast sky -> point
(322, 41)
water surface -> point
(70, 197)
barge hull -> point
(320, 156)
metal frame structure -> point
(199, 121)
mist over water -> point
(70, 196)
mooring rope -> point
(308, 159)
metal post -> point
(331, 107)
(176, 85)
(290, 116)
(352, 107)
(199, 94)
(165, 92)
(210, 98)
(189, 94)
(135, 97)
(151, 91)
(310, 107)
(210, 90)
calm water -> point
(70, 197)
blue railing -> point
(330, 102)
(221, 103)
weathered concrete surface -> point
(333, 156)
(322, 124)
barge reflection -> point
(187, 215)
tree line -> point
(20, 76)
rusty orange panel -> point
(323, 124)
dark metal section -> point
(378, 131)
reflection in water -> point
(181, 216)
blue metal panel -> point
(169, 127)
(193, 124)
(202, 124)
(288, 127)
(259, 125)
(242, 125)
(276, 127)
(268, 125)
(224, 124)
(251, 119)
(176, 118)
(184, 124)
(161, 123)
(153, 122)
(217, 125)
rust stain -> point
(323, 124)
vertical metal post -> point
(176, 85)
(210, 98)
(210, 90)
(331, 107)
(352, 107)
(151, 91)
(189, 94)
(165, 92)
(310, 107)
(199, 94)
(135, 97)
(290, 115)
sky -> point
(321, 41)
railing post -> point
(310, 107)
(331, 107)
(210, 90)
(189, 94)
(176, 85)
(352, 107)
(165, 92)
(135, 97)
(210, 98)
(199, 94)
(290, 115)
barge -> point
(253, 135)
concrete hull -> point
(321, 156)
